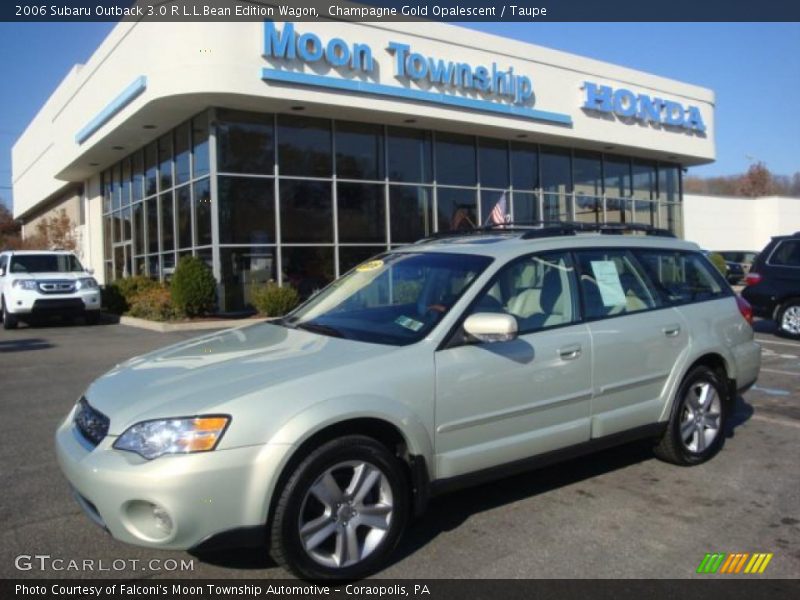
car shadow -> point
(58, 322)
(24, 345)
(450, 511)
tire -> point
(701, 394)
(92, 317)
(322, 496)
(9, 321)
(788, 319)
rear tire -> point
(696, 429)
(9, 321)
(342, 511)
(788, 320)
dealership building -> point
(294, 151)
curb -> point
(189, 326)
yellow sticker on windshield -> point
(370, 266)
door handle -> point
(570, 352)
(671, 330)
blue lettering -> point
(695, 120)
(598, 98)
(337, 53)
(650, 109)
(481, 78)
(277, 45)
(524, 89)
(624, 103)
(309, 46)
(463, 75)
(441, 72)
(400, 51)
(673, 114)
(417, 66)
(362, 57)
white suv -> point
(46, 283)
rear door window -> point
(613, 283)
(683, 277)
(787, 254)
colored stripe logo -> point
(735, 563)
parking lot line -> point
(776, 343)
(774, 421)
(779, 372)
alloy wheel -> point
(346, 514)
(700, 421)
(790, 320)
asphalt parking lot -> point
(620, 513)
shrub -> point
(194, 289)
(112, 299)
(155, 304)
(272, 300)
(719, 261)
(118, 296)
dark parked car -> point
(773, 284)
(745, 258)
(735, 273)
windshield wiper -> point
(319, 328)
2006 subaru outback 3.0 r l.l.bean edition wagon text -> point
(447, 361)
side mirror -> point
(491, 327)
(2, 271)
(90, 271)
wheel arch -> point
(716, 361)
(405, 437)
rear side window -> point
(614, 284)
(683, 277)
(787, 254)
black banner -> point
(389, 10)
(736, 588)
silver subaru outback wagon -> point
(450, 361)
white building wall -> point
(733, 223)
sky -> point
(754, 69)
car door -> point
(500, 402)
(636, 340)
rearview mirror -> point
(491, 327)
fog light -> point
(162, 519)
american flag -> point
(498, 216)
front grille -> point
(58, 304)
(91, 423)
(57, 287)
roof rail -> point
(537, 229)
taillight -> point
(752, 278)
(745, 309)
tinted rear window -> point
(787, 254)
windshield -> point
(45, 263)
(395, 299)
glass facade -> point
(301, 200)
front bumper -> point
(203, 494)
(26, 302)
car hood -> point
(207, 374)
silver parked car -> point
(439, 364)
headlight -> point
(151, 439)
(86, 283)
(25, 284)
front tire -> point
(342, 510)
(92, 317)
(696, 430)
(789, 319)
(9, 321)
